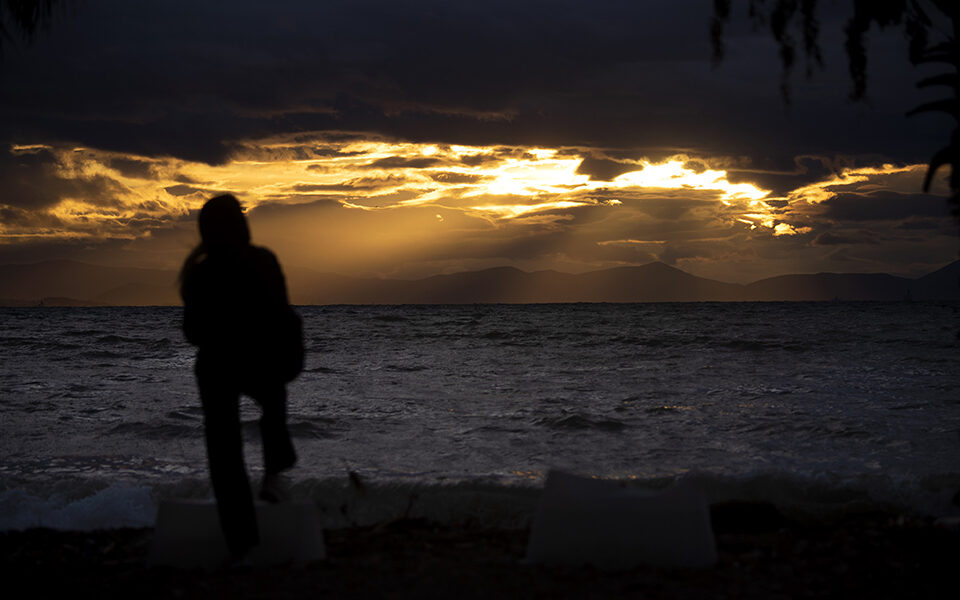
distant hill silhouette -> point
(941, 284)
(66, 282)
(831, 286)
(90, 284)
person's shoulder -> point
(261, 250)
(263, 260)
(196, 270)
(262, 254)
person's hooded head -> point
(223, 227)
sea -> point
(457, 413)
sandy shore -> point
(762, 555)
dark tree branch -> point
(918, 25)
(23, 19)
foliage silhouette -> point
(24, 19)
(921, 22)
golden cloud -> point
(533, 186)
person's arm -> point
(272, 276)
(192, 313)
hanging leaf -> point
(947, 79)
(944, 156)
(947, 105)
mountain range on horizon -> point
(73, 283)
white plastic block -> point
(188, 535)
(582, 521)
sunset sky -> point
(406, 139)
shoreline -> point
(762, 554)
(345, 502)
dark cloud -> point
(400, 162)
(24, 175)
(297, 147)
(181, 190)
(624, 254)
(828, 238)
(671, 209)
(193, 81)
(607, 80)
(328, 152)
(129, 167)
(921, 224)
(152, 206)
(20, 219)
(164, 249)
(806, 170)
(604, 169)
(675, 252)
(884, 206)
(307, 188)
(32, 181)
(846, 255)
(476, 160)
(451, 177)
(352, 185)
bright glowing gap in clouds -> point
(673, 175)
(821, 191)
(544, 174)
(497, 183)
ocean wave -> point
(752, 345)
(160, 344)
(155, 431)
(486, 429)
(120, 339)
(666, 410)
(43, 346)
(496, 335)
(190, 413)
(85, 333)
(406, 368)
(13, 341)
(581, 421)
(390, 318)
(317, 429)
(101, 354)
(654, 393)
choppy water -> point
(799, 402)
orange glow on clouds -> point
(510, 211)
(498, 184)
(673, 175)
(544, 173)
(821, 191)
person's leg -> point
(228, 474)
(278, 452)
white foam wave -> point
(114, 506)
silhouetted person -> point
(249, 342)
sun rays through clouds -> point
(352, 203)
